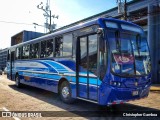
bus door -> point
(12, 65)
(86, 67)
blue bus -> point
(104, 61)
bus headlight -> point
(115, 83)
(119, 84)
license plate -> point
(134, 93)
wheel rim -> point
(65, 92)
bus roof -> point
(98, 21)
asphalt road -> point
(34, 99)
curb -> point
(155, 88)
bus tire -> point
(65, 93)
(17, 81)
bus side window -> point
(67, 45)
(18, 53)
(63, 46)
(92, 53)
(43, 49)
(58, 46)
(25, 52)
(34, 50)
(49, 48)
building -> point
(18, 38)
(145, 13)
(3, 58)
(24, 36)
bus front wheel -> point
(65, 93)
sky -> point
(19, 15)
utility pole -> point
(47, 15)
(125, 9)
(122, 8)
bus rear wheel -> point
(65, 93)
(17, 80)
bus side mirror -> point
(100, 33)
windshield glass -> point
(129, 54)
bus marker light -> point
(113, 103)
(121, 102)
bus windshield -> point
(129, 54)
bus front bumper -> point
(113, 95)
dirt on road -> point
(34, 99)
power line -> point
(9, 22)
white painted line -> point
(5, 109)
